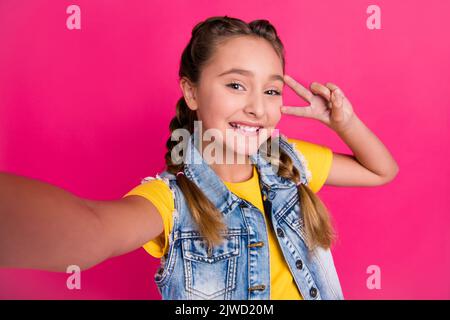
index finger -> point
(298, 88)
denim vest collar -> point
(236, 270)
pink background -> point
(88, 110)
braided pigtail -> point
(204, 213)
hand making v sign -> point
(327, 103)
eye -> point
(234, 85)
(276, 92)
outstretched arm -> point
(45, 227)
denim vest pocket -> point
(210, 271)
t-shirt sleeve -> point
(319, 159)
(159, 193)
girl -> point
(222, 230)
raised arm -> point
(371, 163)
(45, 227)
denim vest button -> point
(280, 233)
(256, 244)
(299, 264)
(259, 287)
(313, 292)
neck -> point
(233, 172)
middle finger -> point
(321, 90)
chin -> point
(245, 149)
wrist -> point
(350, 126)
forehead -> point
(245, 52)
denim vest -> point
(239, 268)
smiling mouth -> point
(249, 130)
(244, 127)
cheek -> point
(219, 101)
(274, 114)
(215, 112)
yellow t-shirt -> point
(283, 287)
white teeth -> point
(245, 128)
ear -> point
(189, 93)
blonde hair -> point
(206, 36)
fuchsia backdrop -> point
(88, 110)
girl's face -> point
(239, 93)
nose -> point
(255, 106)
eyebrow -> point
(250, 74)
